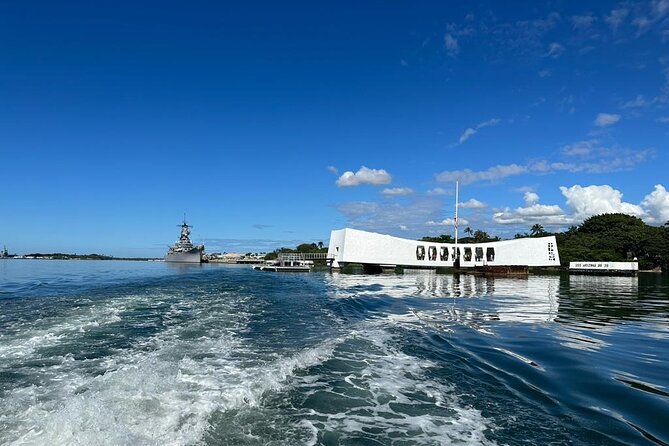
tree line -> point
(605, 237)
(303, 248)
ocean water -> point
(141, 353)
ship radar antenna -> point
(183, 223)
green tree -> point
(443, 238)
(483, 237)
(307, 247)
(606, 237)
(616, 237)
(537, 230)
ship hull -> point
(194, 256)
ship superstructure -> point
(183, 251)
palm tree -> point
(537, 230)
(469, 231)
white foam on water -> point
(388, 397)
(167, 387)
(23, 338)
(162, 392)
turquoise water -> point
(95, 352)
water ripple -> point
(133, 353)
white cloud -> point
(447, 222)
(397, 191)
(542, 214)
(585, 202)
(518, 37)
(489, 123)
(613, 161)
(364, 175)
(555, 50)
(642, 23)
(473, 203)
(656, 205)
(580, 148)
(358, 208)
(663, 96)
(593, 200)
(389, 216)
(660, 8)
(531, 198)
(544, 73)
(616, 17)
(533, 212)
(451, 44)
(583, 22)
(468, 176)
(404, 228)
(638, 102)
(606, 119)
(473, 130)
(466, 134)
(333, 169)
(540, 210)
(650, 14)
(439, 191)
(663, 119)
(606, 160)
(506, 217)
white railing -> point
(298, 256)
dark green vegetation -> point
(477, 236)
(606, 237)
(616, 237)
(303, 248)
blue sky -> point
(270, 124)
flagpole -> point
(457, 191)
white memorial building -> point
(378, 251)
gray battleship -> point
(183, 251)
